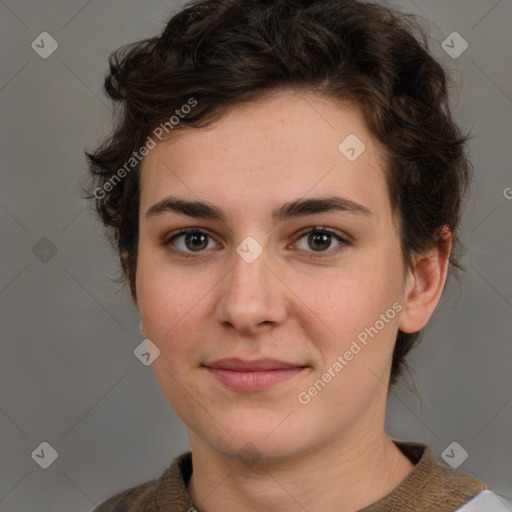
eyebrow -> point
(292, 209)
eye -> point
(190, 240)
(320, 240)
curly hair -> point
(215, 54)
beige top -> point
(429, 487)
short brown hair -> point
(225, 52)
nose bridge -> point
(251, 293)
(249, 277)
(249, 272)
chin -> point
(250, 452)
(254, 443)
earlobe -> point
(425, 284)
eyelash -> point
(317, 230)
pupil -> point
(320, 239)
(198, 240)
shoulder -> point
(451, 488)
(435, 479)
(433, 487)
(473, 494)
(456, 481)
(487, 501)
(169, 491)
(139, 498)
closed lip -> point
(241, 365)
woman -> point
(284, 188)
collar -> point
(429, 487)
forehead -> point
(278, 148)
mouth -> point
(257, 375)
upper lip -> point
(234, 363)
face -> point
(273, 268)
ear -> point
(425, 283)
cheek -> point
(170, 307)
(175, 308)
(170, 319)
(164, 294)
(347, 300)
(356, 305)
(355, 355)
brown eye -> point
(195, 241)
(190, 240)
(319, 240)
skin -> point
(332, 453)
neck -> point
(339, 476)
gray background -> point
(68, 375)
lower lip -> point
(254, 381)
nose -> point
(252, 296)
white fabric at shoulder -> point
(487, 501)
